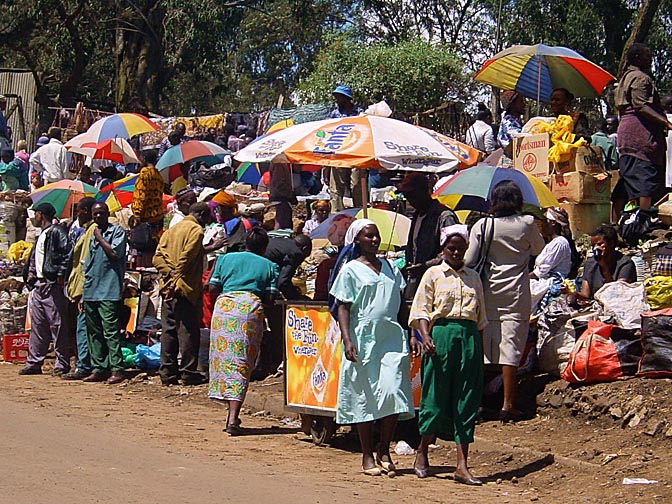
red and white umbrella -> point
(116, 149)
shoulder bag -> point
(484, 246)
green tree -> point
(411, 75)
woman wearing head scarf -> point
(557, 260)
(375, 379)
(556, 257)
(510, 239)
(449, 313)
(226, 233)
(321, 210)
(513, 104)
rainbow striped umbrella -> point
(471, 189)
(64, 195)
(249, 173)
(124, 125)
(535, 71)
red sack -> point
(594, 357)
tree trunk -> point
(640, 30)
(139, 57)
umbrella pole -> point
(538, 85)
(365, 195)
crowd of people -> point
(462, 302)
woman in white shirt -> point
(554, 263)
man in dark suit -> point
(288, 254)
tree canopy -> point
(172, 56)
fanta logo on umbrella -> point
(329, 142)
(529, 162)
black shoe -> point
(194, 379)
(76, 375)
(29, 370)
(170, 381)
(506, 416)
(59, 372)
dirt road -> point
(142, 443)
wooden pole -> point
(365, 195)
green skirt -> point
(452, 382)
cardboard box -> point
(584, 160)
(530, 154)
(15, 347)
(584, 218)
(577, 187)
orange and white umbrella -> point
(362, 142)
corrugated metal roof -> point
(22, 84)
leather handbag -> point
(484, 246)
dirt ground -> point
(142, 442)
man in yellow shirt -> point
(179, 260)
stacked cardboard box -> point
(584, 189)
(530, 155)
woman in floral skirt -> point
(244, 283)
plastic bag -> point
(626, 301)
(659, 292)
(656, 337)
(594, 357)
(148, 357)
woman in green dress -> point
(243, 282)
(448, 311)
(375, 379)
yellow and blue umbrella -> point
(471, 189)
(124, 125)
(536, 70)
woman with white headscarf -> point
(556, 260)
(449, 313)
(375, 381)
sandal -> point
(387, 466)
(373, 471)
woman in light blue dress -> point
(375, 379)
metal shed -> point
(22, 110)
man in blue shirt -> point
(104, 270)
(342, 180)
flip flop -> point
(373, 471)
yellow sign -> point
(314, 351)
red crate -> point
(15, 347)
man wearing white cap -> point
(342, 178)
